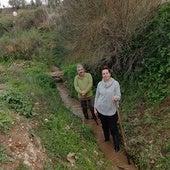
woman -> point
(107, 94)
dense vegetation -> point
(142, 67)
(28, 91)
(138, 52)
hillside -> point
(31, 107)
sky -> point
(5, 3)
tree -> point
(38, 2)
(99, 30)
(17, 3)
(32, 3)
(54, 3)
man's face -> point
(81, 71)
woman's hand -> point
(115, 98)
(95, 112)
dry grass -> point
(99, 29)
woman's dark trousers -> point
(109, 125)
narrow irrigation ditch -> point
(118, 159)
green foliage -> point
(149, 139)
(44, 80)
(30, 18)
(40, 87)
(155, 79)
(31, 68)
(69, 73)
(17, 3)
(6, 121)
(6, 25)
(22, 166)
(167, 147)
(24, 39)
(3, 29)
(18, 102)
(131, 97)
(21, 45)
(60, 136)
(154, 70)
(59, 53)
(30, 87)
(62, 133)
(149, 156)
(101, 29)
(149, 55)
(3, 156)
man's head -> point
(80, 70)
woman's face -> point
(106, 74)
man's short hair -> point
(79, 66)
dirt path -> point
(118, 159)
(22, 148)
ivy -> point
(150, 52)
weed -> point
(59, 54)
(22, 166)
(63, 133)
(44, 81)
(18, 102)
(3, 156)
(6, 121)
(69, 74)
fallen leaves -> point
(71, 157)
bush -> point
(30, 18)
(149, 55)
(69, 74)
(6, 121)
(18, 102)
(59, 54)
(44, 81)
(20, 46)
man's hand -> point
(83, 93)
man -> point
(83, 83)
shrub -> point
(149, 55)
(69, 74)
(18, 102)
(20, 46)
(44, 80)
(30, 18)
(59, 54)
(6, 121)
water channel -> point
(118, 159)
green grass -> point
(143, 105)
(3, 156)
(33, 94)
(6, 119)
(63, 133)
(149, 140)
